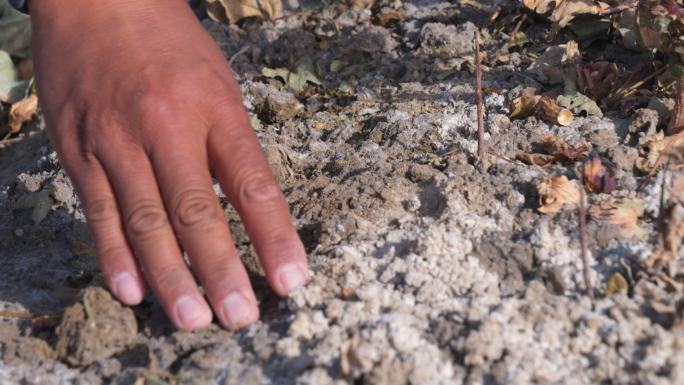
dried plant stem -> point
(481, 144)
(677, 118)
(583, 236)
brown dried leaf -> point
(233, 11)
(555, 150)
(650, 151)
(563, 11)
(623, 212)
(616, 284)
(22, 111)
(597, 80)
(358, 5)
(390, 17)
(556, 192)
(599, 176)
(525, 104)
(542, 160)
(562, 151)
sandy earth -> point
(429, 267)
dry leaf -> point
(524, 105)
(563, 11)
(616, 284)
(599, 177)
(621, 212)
(233, 11)
(358, 5)
(542, 160)
(555, 150)
(22, 111)
(527, 104)
(597, 80)
(555, 192)
(562, 151)
(390, 17)
(650, 151)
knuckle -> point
(146, 218)
(221, 272)
(258, 187)
(195, 208)
(168, 278)
(102, 210)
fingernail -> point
(191, 313)
(238, 311)
(292, 276)
(127, 289)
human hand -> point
(141, 105)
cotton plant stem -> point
(481, 144)
(583, 236)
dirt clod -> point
(94, 328)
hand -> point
(141, 105)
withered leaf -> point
(623, 212)
(525, 104)
(545, 108)
(599, 175)
(358, 5)
(542, 160)
(556, 192)
(649, 151)
(22, 111)
(296, 81)
(616, 284)
(561, 150)
(563, 11)
(233, 11)
(555, 150)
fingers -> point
(115, 256)
(202, 229)
(246, 177)
(152, 237)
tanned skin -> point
(143, 109)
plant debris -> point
(556, 192)
(599, 177)
(233, 11)
(545, 108)
(623, 212)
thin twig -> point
(583, 236)
(516, 29)
(35, 319)
(481, 144)
(237, 54)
